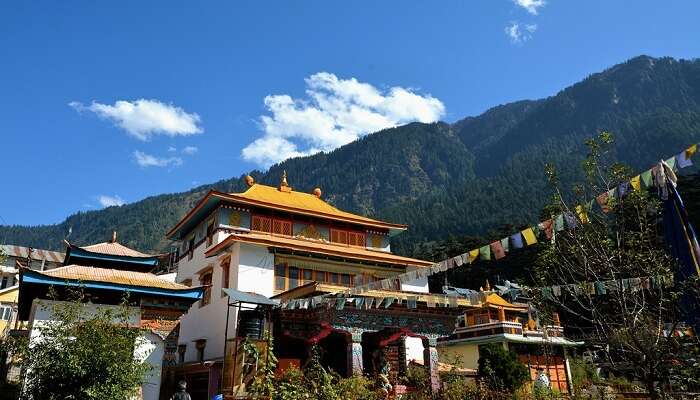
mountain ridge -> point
(463, 178)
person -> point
(542, 381)
(181, 393)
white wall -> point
(150, 349)
(251, 271)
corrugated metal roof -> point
(115, 249)
(37, 254)
(83, 273)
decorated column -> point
(355, 353)
(430, 360)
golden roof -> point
(304, 203)
(318, 247)
(495, 300)
(92, 274)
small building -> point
(12, 257)
(498, 321)
(106, 272)
(270, 240)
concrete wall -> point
(467, 354)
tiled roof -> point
(496, 300)
(300, 201)
(37, 254)
(92, 274)
(314, 246)
(114, 249)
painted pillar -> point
(430, 360)
(355, 354)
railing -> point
(505, 326)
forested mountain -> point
(474, 177)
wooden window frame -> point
(206, 295)
(343, 279)
(211, 230)
(225, 274)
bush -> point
(500, 369)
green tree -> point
(500, 368)
(81, 355)
(632, 326)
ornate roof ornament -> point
(284, 186)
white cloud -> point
(520, 33)
(333, 113)
(189, 150)
(145, 118)
(109, 201)
(172, 149)
(147, 160)
(531, 5)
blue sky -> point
(109, 102)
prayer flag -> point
(622, 189)
(559, 223)
(504, 244)
(571, 221)
(517, 240)
(359, 301)
(368, 302)
(672, 163)
(636, 182)
(411, 301)
(602, 200)
(458, 261)
(473, 254)
(548, 228)
(497, 250)
(582, 214)
(600, 288)
(465, 258)
(683, 160)
(340, 303)
(529, 236)
(690, 151)
(647, 179)
(485, 253)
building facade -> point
(271, 240)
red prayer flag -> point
(602, 200)
(497, 250)
(548, 228)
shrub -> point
(500, 369)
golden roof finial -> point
(114, 236)
(487, 288)
(284, 186)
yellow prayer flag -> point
(582, 214)
(529, 236)
(636, 183)
(690, 151)
(473, 255)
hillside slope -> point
(469, 177)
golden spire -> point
(487, 288)
(114, 236)
(284, 186)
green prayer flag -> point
(504, 243)
(485, 252)
(559, 223)
(672, 163)
(647, 179)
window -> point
(225, 273)
(356, 239)
(261, 224)
(282, 227)
(290, 277)
(205, 280)
(293, 277)
(201, 344)
(181, 350)
(351, 238)
(210, 233)
(5, 313)
(280, 277)
(190, 248)
(3, 285)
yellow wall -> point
(6, 297)
(467, 354)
